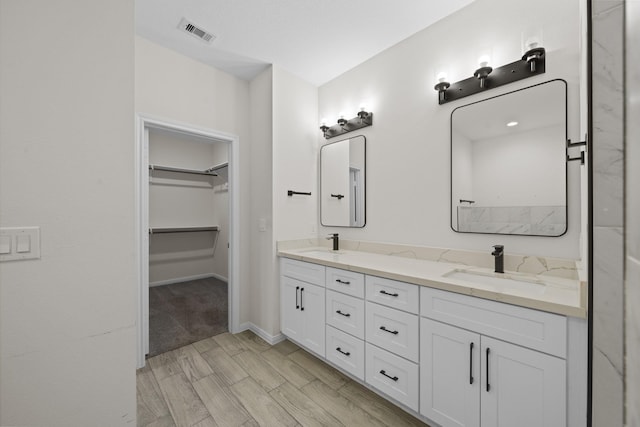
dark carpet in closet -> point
(183, 313)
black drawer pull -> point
(488, 385)
(343, 282)
(388, 376)
(301, 305)
(343, 314)
(387, 293)
(297, 289)
(470, 363)
(387, 330)
(346, 353)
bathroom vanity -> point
(452, 344)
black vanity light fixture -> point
(485, 77)
(363, 119)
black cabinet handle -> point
(297, 305)
(387, 293)
(343, 314)
(343, 282)
(301, 306)
(388, 376)
(488, 385)
(346, 353)
(387, 330)
(471, 363)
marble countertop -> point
(552, 294)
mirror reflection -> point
(508, 163)
(342, 183)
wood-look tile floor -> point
(240, 380)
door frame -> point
(143, 123)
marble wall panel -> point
(608, 113)
(607, 150)
(608, 325)
(632, 225)
(632, 363)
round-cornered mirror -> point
(508, 163)
(343, 183)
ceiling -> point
(316, 40)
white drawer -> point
(392, 375)
(305, 271)
(400, 295)
(345, 281)
(345, 313)
(346, 352)
(535, 329)
(393, 330)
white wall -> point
(173, 87)
(408, 169)
(295, 159)
(262, 244)
(67, 320)
(221, 211)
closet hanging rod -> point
(159, 230)
(181, 170)
(218, 167)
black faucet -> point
(498, 253)
(334, 237)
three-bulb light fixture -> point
(486, 77)
(363, 119)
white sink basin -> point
(505, 282)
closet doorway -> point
(187, 231)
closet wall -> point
(179, 200)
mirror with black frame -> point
(342, 183)
(508, 163)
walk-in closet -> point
(188, 212)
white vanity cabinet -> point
(468, 378)
(302, 304)
(457, 360)
(345, 318)
(391, 333)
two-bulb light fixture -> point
(363, 119)
(486, 77)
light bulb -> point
(532, 43)
(512, 124)
(484, 60)
(442, 77)
(363, 107)
(323, 122)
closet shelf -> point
(159, 230)
(181, 170)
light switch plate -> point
(24, 243)
(5, 245)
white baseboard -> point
(271, 339)
(188, 278)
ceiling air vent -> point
(195, 31)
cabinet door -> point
(521, 387)
(449, 374)
(290, 315)
(312, 308)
